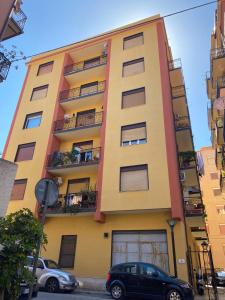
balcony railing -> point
(175, 64)
(222, 181)
(193, 207)
(85, 120)
(19, 18)
(217, 53)
(178, 91)
(187, 159)
(74, 158)
(85, 65)
(218, 157)
(85, 201)
(4, 66)
(182, 122)
(80, 92)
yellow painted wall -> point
(217, 240)
(93, 251)
(153, 152)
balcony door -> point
(85, 150)
(85, 118)
(77, 185)
(89, 88)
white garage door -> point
(144, 246)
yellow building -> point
(214, 203)
(107, 118)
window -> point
(130, 268)
(45, 68)
(92, 62)
(85, 118)
(133, 134)
(67, 251)
(89, 88)
(25, 152)
(133, 98)
(39, 92)
(146, 270)
(134, 178)
(220, 209)
(216, 191)
(33, 120)
(40, 264)
(18, 190)
(133, 67)
(222, 228)
(77, 185)
(214, 175)
(133, 40)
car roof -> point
(134, 262)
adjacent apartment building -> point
(107, 118)
(214, 201)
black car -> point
(146, 280)
(220, 278)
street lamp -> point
(172, 223)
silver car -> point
(51, 277)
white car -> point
(51, 277)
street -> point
(76, 296)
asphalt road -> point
(76, 296)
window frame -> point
(131, 92)
(132, 62)
(133, 36)
(133, 126)
(24, 146)
(74, 254)
(32, 115)
(130, 169)
(37, 89)
(19, 181)
(44, 65)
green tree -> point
(20, 233)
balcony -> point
(218, 158)
(219, 131)
(211, 90)
(16, 24)
(83, 70)
(182, 123)
(178, 91)
(176, 75)
(75, 203)
(77, 160)
(82, 96)
(187, 160)
(193, 208)
(4, 66)
(222, 181)
(217, 62)
(83, 126)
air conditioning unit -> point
(182, 176)
(59, 180)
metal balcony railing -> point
(19, 17)
(182, 122)
(85, 201)
(178, 91)
(193, 207)
(85, 120)
(217, 53)
(85, 65)
(222, 181)
(80, 92)
(187, 159)
(4, 66)
(175, 64)
(74, 158)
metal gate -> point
(202, 272)
(144, 246)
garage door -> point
(144, 246)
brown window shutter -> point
(133, 67)
(89, 88)
(134, 178)
(133, 98)
(214, 175)
(18, 190)
(45, 68)
(222, 228)
(67, 251)
(134, 132)
(133, 41)
(39, 92)
(25, 152)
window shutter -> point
(18, 190)
(133, 67)
(25, 152)
(222, 228)
(40, 92)
(89, 88)
(133, 41)
(67, 251)
(45, 68)
(133, 98)
(134, 178)
(91, 62)
(133, 134)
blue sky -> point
(51, 24)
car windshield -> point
(50, 264)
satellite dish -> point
(46, 190)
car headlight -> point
(63, 278)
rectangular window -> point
(214, 175)
(133, 98)
(220, 209)
(85, 118)
(77, 185)
(222, 228)
(67, 251)
(134, 178)
(89, 88)
(18, 190)
(216, 191)
(133, 40)
(133, 67)
(39, 92)
(91, 62)
(25, 152)
(133, 134)
(33, 120)
(45, 68)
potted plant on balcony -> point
(88, 197)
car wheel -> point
(34, 294)
(174, 295)
(117, 292)
(52, 285)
